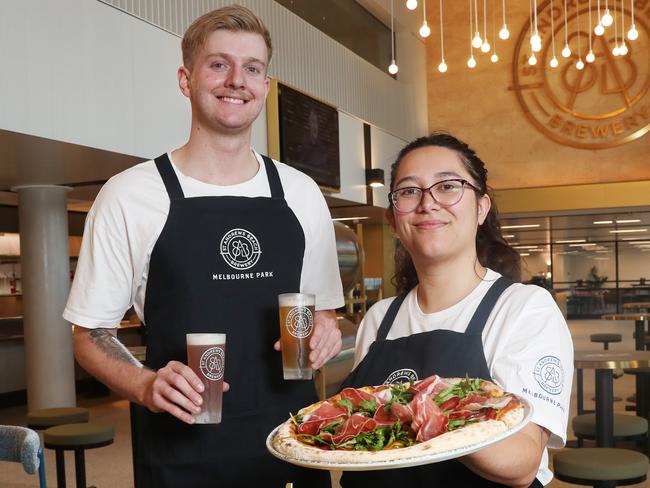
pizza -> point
(398, 421)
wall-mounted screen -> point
(309, 137)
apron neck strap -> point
(391, 313)
(477, 323)
(168, 175)
(274, 178)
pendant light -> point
(494, 57)
(425, 31)
(580, 64)
(632, 34)
(554, 62)
(411, 4)
(607, 19)
(590, 57)
(566, 51)
(623, 48)
(476, 41)
(504, 33)
(471, 62)
(442, 67)
(599, 30)
(392, 69)
(616, 50)
(535, 39)
(485, 47)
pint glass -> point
(206, 354)
(296, 328)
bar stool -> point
(600, 466)
(625, 427)
(77, 438)
(606, 339)
(50, 417)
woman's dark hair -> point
(491, 248)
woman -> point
(460, 313)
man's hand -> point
(325, 342)
(175, 389)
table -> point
(604, 363)
(641, 306)
(640, 320)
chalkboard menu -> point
(309, 137)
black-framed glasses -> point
(445, 193)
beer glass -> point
(296, 328)
(206, 354)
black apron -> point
(443, 352)
(218, 266)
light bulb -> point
(411, 4)
(580, 64)
(535, 39)
(537, 47)
(623, 49)
(471, 62)
(504, 33)
(485, 47)
(554, 62)
(633, 34)
(532, 60)
(591, 57)
(392, 69)
(599, 30)
(615, 50)
(566, 52)
(607, 19)
(494, 58)
(442, 67)
(425, 31)
(477, 41)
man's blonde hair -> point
(234, 18)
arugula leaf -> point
(332, 427)
(347, 404)
(369, 406)
(461, 390)
(453, 424)
(400, 393)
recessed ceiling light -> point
(339, 219)
(525, 247)
(520, 226)
(586, 244)
(627, 231)
(629, 221)
(569, 241)
(524, 254)
(598, 222)
(508, 236)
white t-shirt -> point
(526, 341)
(129, 213)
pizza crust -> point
(285, 442)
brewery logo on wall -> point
(605, 103)
(211, 363)
(240, 249)
(299, 322)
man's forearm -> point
(101, 354)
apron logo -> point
(299, 322)
(211, 363)
(401, 376)
(240, 249)
(549, 374)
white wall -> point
(384, 148)
(352, 159)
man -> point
(203, 239)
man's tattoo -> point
(112, 347)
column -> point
(45, 267)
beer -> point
(296, 328)
(206, 354)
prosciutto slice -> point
(428, 420)
(356, 396)
(352, 427)
(402, 412)
(431, 385)
(323, 416)
(384, 418)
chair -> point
(49, 417)
(77, 438)
(606, 339)
(600, 466)
(625, 427)
(22, 445)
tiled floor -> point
(110, 467)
